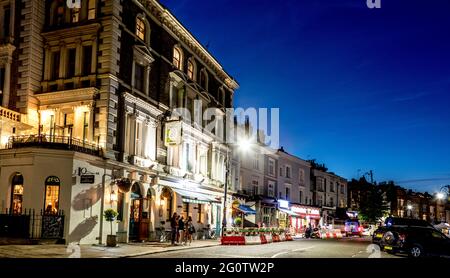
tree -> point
(110, 216)
(372, 207)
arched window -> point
(17, 193)
(204, 79)
(177, 57)
(140, 28)
(143, 28)
(191, 69)
(51, 203)
(166, 204)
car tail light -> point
(360, 228)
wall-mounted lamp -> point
(113, 196)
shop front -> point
(190, 201)
(304, 216)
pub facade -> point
(89, 119)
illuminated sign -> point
(283, 204)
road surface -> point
(301, 248)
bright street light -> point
(409, 207)
(440, 196)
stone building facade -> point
(91, 98)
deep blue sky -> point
(357, 88)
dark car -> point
(378, 234)
(416, 241)
(397, 222)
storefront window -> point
(17, 194)
(52, 185)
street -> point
(301, 248)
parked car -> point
(396, 222)
(416, 241)
(353, 228)
(378, 234)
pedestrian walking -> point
(181, 230)
(173, 226)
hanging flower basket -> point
(124, 185)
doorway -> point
(135, 212)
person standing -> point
(190, 230)
(181, 230)
(173, 226)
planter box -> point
(289, 237)
(282, 237)
(269, 238)
(232, 240)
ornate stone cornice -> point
(154, 112)
(166, 18)
(68, 96)
(74, 33)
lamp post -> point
(443, 192)
(243, 144)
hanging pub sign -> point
(172, 133)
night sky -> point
(357, 88)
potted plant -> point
(238, 221)
(110, 215)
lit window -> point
(177, 58)
(91, 9)
(17, 194)
(191, 70)
(140, 28)
(52, 185)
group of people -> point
(182, 230)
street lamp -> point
(243, 145)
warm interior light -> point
(113, 196)
(162, 202)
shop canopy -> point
(246, 209)
(288, 211)
(195, 197)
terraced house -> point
(88, 122)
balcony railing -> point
(9, 114)
(54, 142)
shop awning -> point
(246, 209)
(195, 197)
(290, 212)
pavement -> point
(96, 251)
(300, 248)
